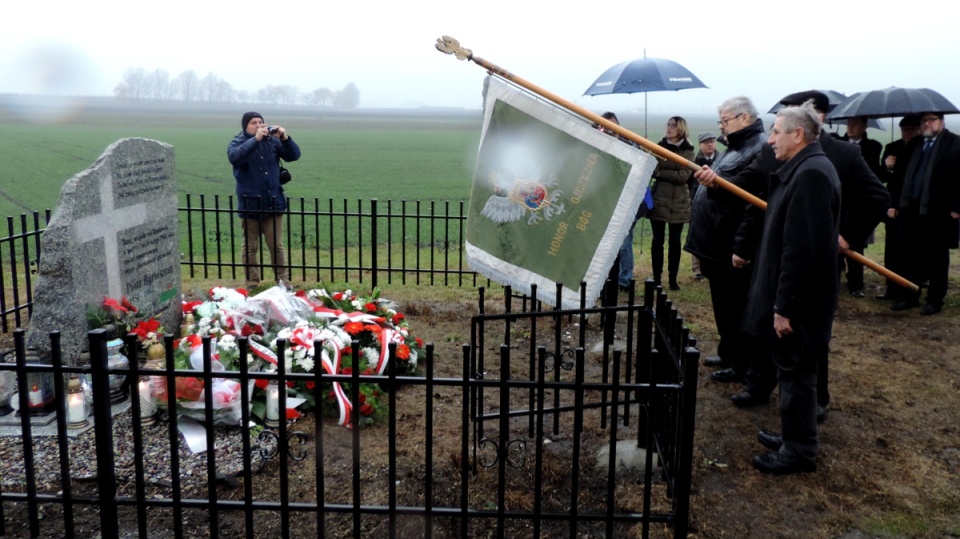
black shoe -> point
(858, 293)
(821, 413)
(726, 376)
(930, 308)
(770, 440)
(714, 361)
(904, 304)
(777, 464)
(745, 399)
(674, 285)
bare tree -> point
(348, 98)
(134, 85)
(186, 86)
(322, 97)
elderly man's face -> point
(785, 144)
(931, 125)
(731, 122)
(856, 127)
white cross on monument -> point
(107, 224)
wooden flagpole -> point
(449, 45)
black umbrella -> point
(644, 75)
(834, 98)
(892, 102)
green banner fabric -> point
(553, 197)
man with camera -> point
(255, 154)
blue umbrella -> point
(644, 75)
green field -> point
(388, 155)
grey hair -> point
(805, 116)
(740, 104)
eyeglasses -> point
(722, 122)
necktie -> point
(918, 174)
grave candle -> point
(76, 405)
(273, 405)
(148, 408)
(36, 396)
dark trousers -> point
(796, 360)
(854, 269)
(891, 255)
(728, 292)
(656, 248)
(926, 253)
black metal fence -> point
(404, 242)
(438, 483)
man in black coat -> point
(870, 150)
(896, 150)
(928, 206)
(723, 235)
(865, 202)
(794, 292)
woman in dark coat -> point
(671, 201)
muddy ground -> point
(890, 447)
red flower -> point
(363, 398)
(126, 303)
(419, 342)
(370, 307)
(346, 370)
(301, 293)
(291, 384)
(243, 292)
(145, 327)
(331, 396)
(194, 340)
(310, 384)
(189, 388)
(376, 393)
(367, 372)
(353, 328)
(262, 383)
(251, 329)
(113, 304)
(292, 413)
(366, 409)
(403, 351)
(189, 306)
(397, 318)
(338, 296)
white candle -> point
(36, 397)
(273, 402)
(76, 411)
(147, 406)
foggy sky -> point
(760, 49)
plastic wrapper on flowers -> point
(316, 328)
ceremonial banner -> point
(552, 199)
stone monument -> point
(113, 233)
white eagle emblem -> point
(516, 197)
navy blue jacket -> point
(256, 167)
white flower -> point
(306, 364)
(227, 343)
(357, 304)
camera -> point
(273, 129)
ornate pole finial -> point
(449, 45)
